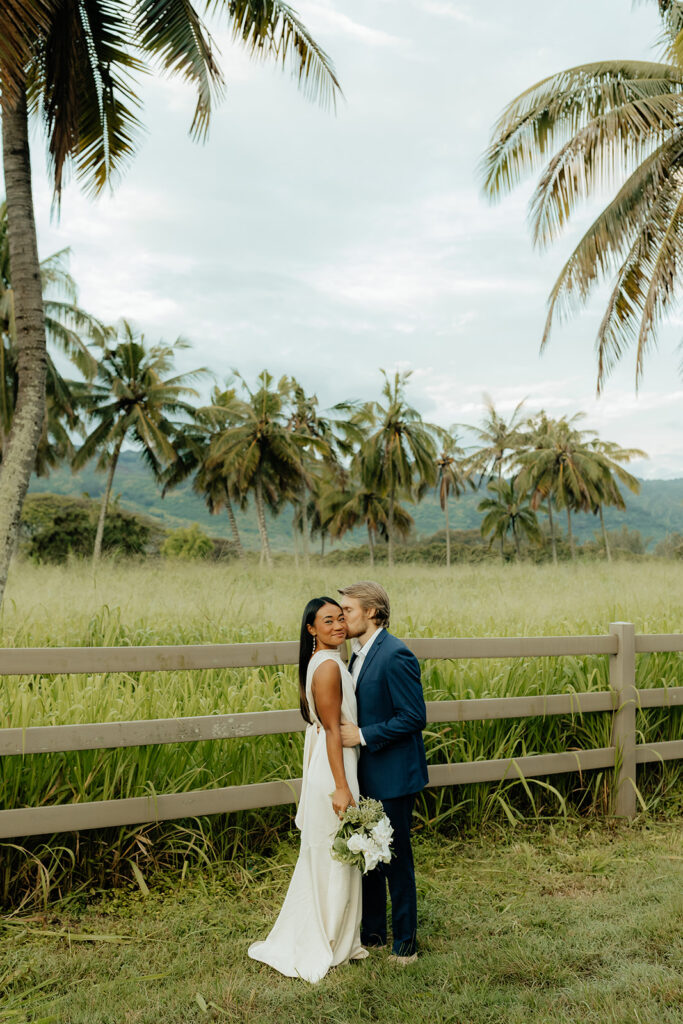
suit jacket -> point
(391, 715)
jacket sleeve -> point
(409, 711)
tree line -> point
(268, 444)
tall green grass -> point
(162, 604)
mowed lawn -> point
(565, 923)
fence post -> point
(622, 678)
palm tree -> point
(508, 511)
(329, 440)
(260, 451)
(496, 437)
(610, 457)
(132, 399)
(192, 446)
(612, 124)
(563, 465)
(79, 62)
(399, 456)
(539, 466)
(453, 475)
(358, 505)
(68, 329)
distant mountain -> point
(656, 511)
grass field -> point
(158, 603)
(155, 602)
(561, 924)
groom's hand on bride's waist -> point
(350, 734)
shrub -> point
(670, 547)
(188, 542)
(54, 526)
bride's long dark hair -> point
(306, 648)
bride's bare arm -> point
(327, 694)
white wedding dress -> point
(319, 924)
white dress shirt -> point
(361, 653)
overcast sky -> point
(328, 246)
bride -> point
(319, 924)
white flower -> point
(357, 842)
(372, 855)
(382, 831)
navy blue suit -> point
(392, 768)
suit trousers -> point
(399, 874)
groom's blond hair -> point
(370, 595)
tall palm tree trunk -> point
(570, 534)
(295, 542)
(304, 527)
(261, 517)
(553, 542)
(502, 536)
(516, 540)
(237, 540)
(608, 553)
(19, 453)
(390, 529)
(448, 536)
(97, 550)
(371, 544)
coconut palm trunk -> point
(304, 527)
(371, 545)
(263, 532)
(516, 540)
(97, 550)
(552, 529)
(502, 536)
(570, 534)
(608, 553)
(448, 535)
(390, 529)
(295, 543)
(20, 450)
(237, 540)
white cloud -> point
(391, 277)
(321, 17)
(454, 12)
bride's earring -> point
(315, 641)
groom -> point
(392, 765)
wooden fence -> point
(621, 644)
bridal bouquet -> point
(364, 836)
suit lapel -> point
(371, 654)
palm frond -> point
(270, 29)
(21, 23)
(597, 157)
(172, 32)
(643, 279)
(555, 109)
(82, 83)
(607, 241)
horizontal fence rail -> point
(43, 739)
(75, 660)
(622, 700)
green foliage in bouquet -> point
(363, 838)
